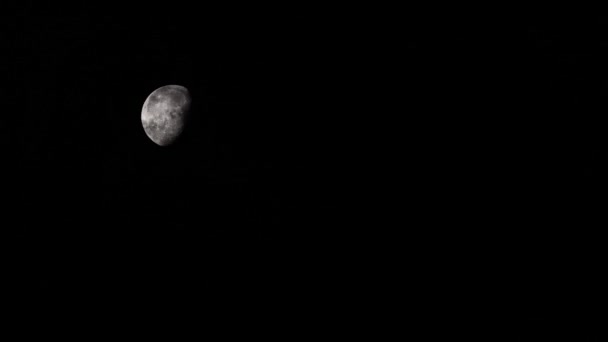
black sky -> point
(308, 126)
(249, 214)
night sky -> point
(226, 215)
(308, 126)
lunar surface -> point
(164, 113)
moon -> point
(164, 113)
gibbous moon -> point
(164, 113)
